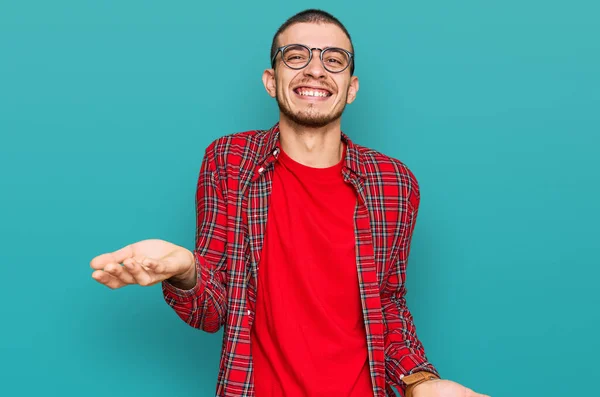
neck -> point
(314, 147)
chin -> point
(307, 118)
(312, 121)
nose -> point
(315, 68)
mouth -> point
(312, 92)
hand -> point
(146, 263)
(443, 388)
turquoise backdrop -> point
(106, 108)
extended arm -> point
(404, 351)
(204, 305)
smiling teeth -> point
(313, 93)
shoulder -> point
(242, 144)
(378, 165)
(237, 154)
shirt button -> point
(261, 170)
(249, 312)
(275, 152)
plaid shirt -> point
(232, 202)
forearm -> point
(202, 306)
(404, 351)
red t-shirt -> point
(308, 337)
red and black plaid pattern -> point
(232, 202)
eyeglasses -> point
(298, 56)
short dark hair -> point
(311, 16)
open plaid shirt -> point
(232, 203)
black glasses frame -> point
(310, 51)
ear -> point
(352, 89)
(269, 81)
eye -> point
(296, 54)
(333, 60)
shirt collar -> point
(270, 148)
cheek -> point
(343, 86)
(343, 95)
(282, 82)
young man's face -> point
(292, 88)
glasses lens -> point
(335, 60)
(296, 56)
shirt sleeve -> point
(205, 305)
(404, 352)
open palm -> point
(146, 263)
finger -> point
(110, 281)
(117, 256)
(154, 265)
(140, 274)
(120, 272)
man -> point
(312, 300)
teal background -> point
(106, 108)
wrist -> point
(186, 279)
(415, 380)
